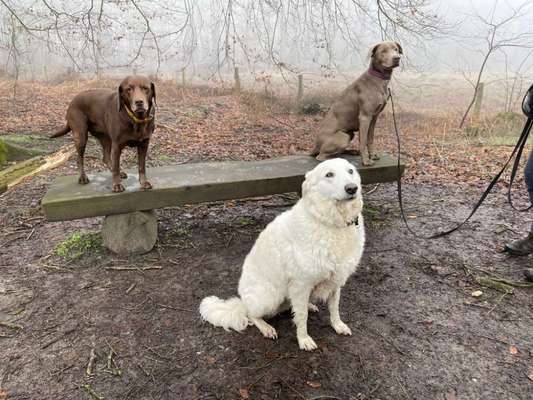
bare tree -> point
(498, 36)
(286, 34)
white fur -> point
(306, 253)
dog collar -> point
(354, 221)
(378, 74)
(138, 120)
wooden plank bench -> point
(130, 212)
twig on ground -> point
(494, 284)
(372, 190)
(90, 391)
(90, 364)
(31, 234)
(11, 325)
(60, 370)
(293, 389)
(12, 240)
(497, 303)
(134, 268)
(388, 341)
(62, 335)
(402, 387)
(175, 308)
(131, 287)
(111, 366)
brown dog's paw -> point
(123, 175)
(375, 156)
(367, 162)
(118, 187)
(146, 185)
(321, 157)
(83, 180)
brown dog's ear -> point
(152, 99)
(119, 101)
(373, 50)
(400, 50)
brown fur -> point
(358, 107)
(102, 112)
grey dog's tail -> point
(61, 132)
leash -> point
(527, 108)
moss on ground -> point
(79, 244)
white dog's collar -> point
(354, 221)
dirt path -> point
(418, 332)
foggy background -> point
(40, 38)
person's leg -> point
(523, 247)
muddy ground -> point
(417, 331)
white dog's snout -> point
(351, 188)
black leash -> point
(527, 107)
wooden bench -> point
(130, 225)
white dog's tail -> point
(228, 314)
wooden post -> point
(237, 87)
(300, 94)
(478, 101)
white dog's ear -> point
(306, 183)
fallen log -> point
(14, 174)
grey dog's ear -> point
(373, 50)
(400, 50)
(119, 97)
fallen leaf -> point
(313, 384)
(211, 360)
(476, 293)
(3, 394)
(513, 350)
(450, 395)
(530, 375)
(271, 355)
(244, 393)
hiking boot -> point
(528, 273)
(521, 247)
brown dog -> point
(358, 107)
(117, 119)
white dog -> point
(305, 253)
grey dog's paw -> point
(312, 307)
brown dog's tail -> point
(62, 132)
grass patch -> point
(79, 244)
(164, 158)
(244, 221)
(3, 152)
